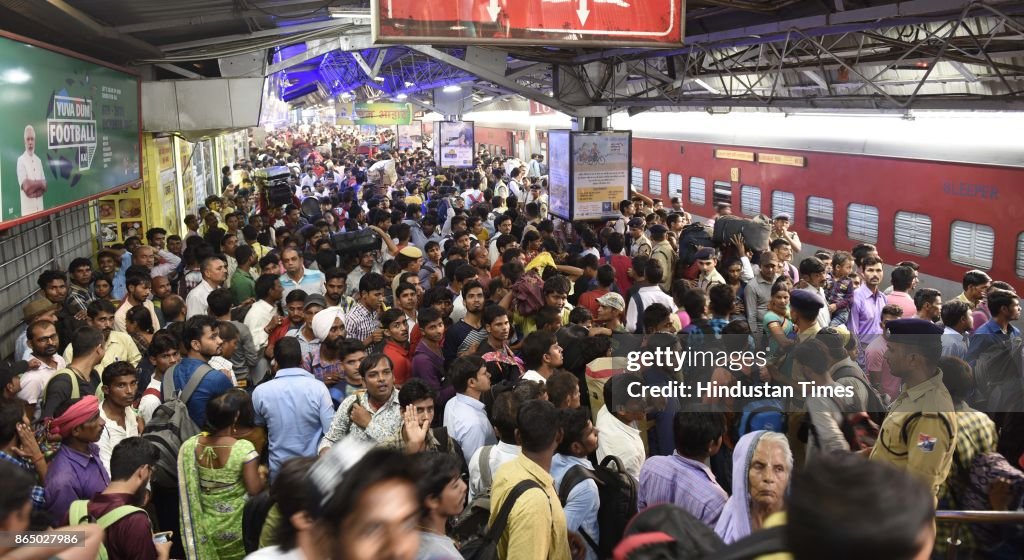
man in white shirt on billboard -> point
(30, 176)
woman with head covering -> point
(762, 464)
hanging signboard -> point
(71, 130)
(454, 143)
(598, 23)
(385, 114)
(410, 136)
(588, 173)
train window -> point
(675, 185)
(971, 244)
(722, 193)
(1020, 255)
(784, 203)
(654, 182)
(862, 222)
(913, 233)
(750, 200)
(819, 214)
(637, 179)
(698, 191)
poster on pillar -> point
(576, 23)
(455, 143)
(410, 136)
(558, 174)
(598, 173)
(71, 130)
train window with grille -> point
(637, 179)
(675, 185)
(654, 182)
(862, 222)
(819, 214)
(971, 244)
(750, 200)
(913, 233)
(784, 203)
(698, 191)
(1020, 255)
(722, 193)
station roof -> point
(774, 55)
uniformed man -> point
(780, 230)
(803, 308)
(640, 244)
(919, 434)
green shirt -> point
(243, 286)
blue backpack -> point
(763, 414)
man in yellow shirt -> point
(535, 527)
(117, 346)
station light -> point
(452, 88)
(349, 13)
(401, 96)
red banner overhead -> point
(530, 22)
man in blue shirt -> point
(1005, 307)
(464, 415)
(295, 407)
(579, 439)
(202, 338)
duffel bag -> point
(693, 238)
(726, 227)
(355, 242)
(755, 233)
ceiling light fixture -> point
(452, 88)
(349, 14)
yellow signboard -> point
(381, 114)
(780, 159)
(734, 154)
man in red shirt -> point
(605, 279)
(130, 536)
(620, 262)
(396, 344)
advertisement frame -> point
(573, 193)
(7, 224)
(593, 39)
(570, 196)
(438, 148)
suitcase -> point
(355, 242)
(279, 194)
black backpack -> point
(666, 531)
(472, 522)
(171, 425)
(875, 408)
(618, 491)
(485, 545)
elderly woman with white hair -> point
(762, 465)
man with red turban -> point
(76, 472)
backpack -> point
(668, 531)
(171, 425)
(997, 374)
(485, 545)
(639, 303)
(618, 491)
(528, 294)
(859, 430)
(76, 391)
(79, 513)
(473, 520)
(693, 238)
(763, 414)
(875, 407)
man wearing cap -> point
(37, 310)
(10, 378)
(780, 230)
(709, 275)
(663, 253)
(76, 471)
(919, 434)
(43, 343)
(610, 308)
(639, 243)
(410, 259)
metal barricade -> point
(958, 518)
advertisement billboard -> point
(455, 144)
(410, 136)
(558, 174)
(384, 114)
(71, 130)
(597, 23)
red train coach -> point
(949, 217)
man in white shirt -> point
(649, 294)
(138, 291)
(617, 419)
(541, 355)
(215, 272)
(464, 415)
(42, 346)
(485, 462)
(263, 317)
(31, 178)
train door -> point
(722, 193)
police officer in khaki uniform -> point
(919, 434)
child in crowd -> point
(840, 297)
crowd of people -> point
(246, 388)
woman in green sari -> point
(217, 471)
